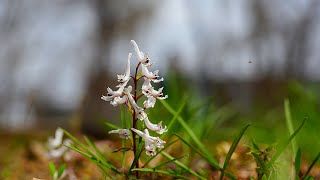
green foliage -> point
(54, 173)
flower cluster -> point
(127, 95)
(57, 148)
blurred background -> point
(58, 57)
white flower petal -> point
(123, 133)
(140, 114)
(143, 58)
(54, 142)
(156, 141)
(150, 102)
(124, 78)
(155, 127)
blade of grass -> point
(261, 164)
(191, 133)
(297, 163)
(178, 163)
(159, 152)
(150, 170)
(94, 159)
(162, 164)
(93, 146)
(52, 169)
(136, 157)
(124, 140)
(289, 123)
(283, 145)
(112, 126)
(311, 166)
(61, 170)
(75, 140)
(198, 152)
(176, 115)
(232, 149)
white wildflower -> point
(150, 148)
(155, 127)
(112, 94)
(142, 57)
(156, 141)
(54, 142)
(153, 76)
(123, 79)
(149, 103)
(59, 152)
(56, 147)
(123, 133)
(140, 114)
(121, 100)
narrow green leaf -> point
(261, 164)
(162, 164)
(311, 166)
(297, 163)
(283, 145)
(112, 126)
(124, 140)
(93, 146)
(92, 158)
(76, 141)
(191, 134)
(168, 145)
(198, 152)
(176, 115)
(289, 123)
(158, 171)
(136, 156)
(178, 163)
(232, 149)
(309, 178)
(61, 170)
(52, 169)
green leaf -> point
(297, 163)
(311, 166)
(52, 169)
(289, 123)
(94, 159)
(198, 152)
(261, 164)
(191, 134)
(168, 145)
(93, 146)
(112, 126)
(159, 172)
(283, 145)
(136, 156)
(61, 170)
(162, 164)
(232, 149)
(178, 163)
(176, 115)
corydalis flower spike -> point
(123, 133)
(124, 78)
(143, 58)
(140, 114)
(155, 127)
